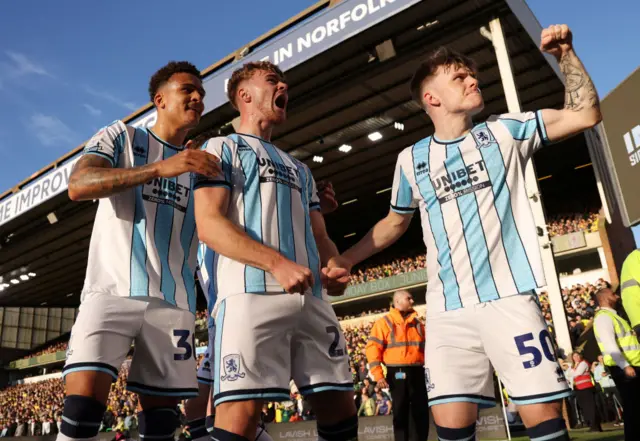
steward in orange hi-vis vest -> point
(397, 341)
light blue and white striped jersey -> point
(271, 196)
(206, 261)
(477, 224)
(144, 240)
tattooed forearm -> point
(580, 93)
(92, 178)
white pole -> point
(504, 410)
(553, 284)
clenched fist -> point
(336, 275)
(556, 40)
(294, 278)
(335, 280)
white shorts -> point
(263, 341)
(163, 363)
(510, 334)
(205, 372)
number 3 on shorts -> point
(545, 343)
(183, 343)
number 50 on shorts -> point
(528, 345)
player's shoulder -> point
(113, 129)
(405, 157)
(218, 143)
(114, 133)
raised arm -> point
(581, 103)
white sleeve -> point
(314, 199)
(606, 336)
(108, 143)
(225, 149)
(402, 198)
(527, 130)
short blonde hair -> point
(246, 72)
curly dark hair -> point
(163, 74)
(440, 57)
(246, 72)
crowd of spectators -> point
(61, 346)
(35, 409)
(573, 223)
(362, 314)
(373, 271)
(201, 319)
(31, 409)
(580, 306)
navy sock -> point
(345, 430)
(550, 430)
(197, 429)
(158, 424)
(210, 422)
(465, 434)
(223, 435)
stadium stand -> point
(61, 346)
(565, 224)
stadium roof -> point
(353, 86)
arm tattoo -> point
(93, 177)
(580, 93)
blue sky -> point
(67, 68)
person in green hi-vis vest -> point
(621, 351)
(630, 288)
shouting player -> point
(200, 410)
(483, 258)
(272, 320)
(139, 286)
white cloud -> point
(21, 65)
(50, 130)
(92, 110)
(111, 98)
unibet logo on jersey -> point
(282, 174)
(459, 182)
(632, 142)
(168, 191)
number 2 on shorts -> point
(333, 351)
(545, 343)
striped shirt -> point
(271, 196)
(206, 260)
(477, 224)
(144, 240)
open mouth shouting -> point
(280, 101)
